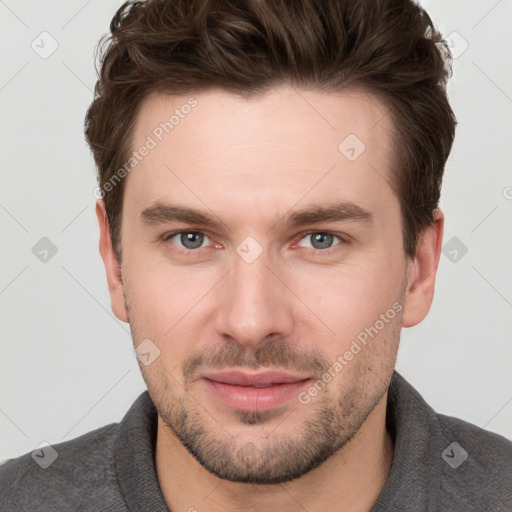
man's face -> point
(274, 254)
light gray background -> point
(67, 365)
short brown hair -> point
(387, 47)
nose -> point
(254, 305)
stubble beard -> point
(325, 426)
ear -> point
(112, 266)
(421, 273)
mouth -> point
(254, 391)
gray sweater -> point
(440, 464)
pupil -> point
(322, 240)
(192, 240)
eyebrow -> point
(162, 213)
(345, 211)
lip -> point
(246, 378)
(253, 391)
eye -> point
(187, 239)
(319, 240)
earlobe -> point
(112, 266)
(422, 272)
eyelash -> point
(343, 240)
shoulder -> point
(476, 465)
(72, 475)
(486, 446)
(442, 462)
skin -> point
(251, 163)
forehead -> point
(267, 152)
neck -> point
(350, 480)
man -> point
(269, 174)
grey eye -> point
(191, 240)
(319, 240)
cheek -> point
(165, 304)
(352, 298)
